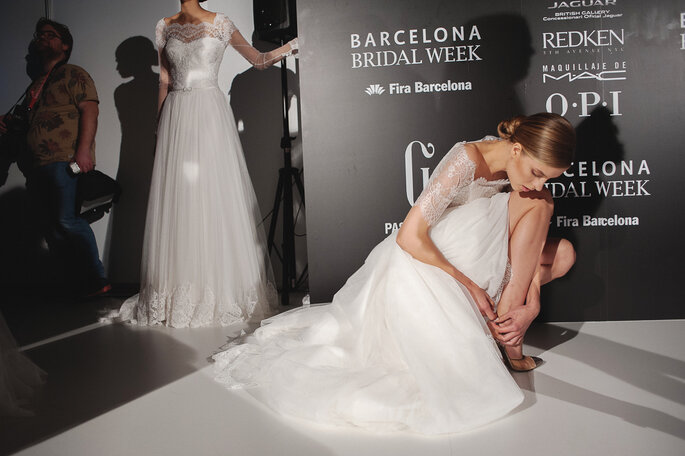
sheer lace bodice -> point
(453, 184)
(194, 51)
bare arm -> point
(455, 171)
(87, 127)
(413, 237)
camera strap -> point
(23, 95)
(35, 95)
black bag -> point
(13, 141)
(95, 194)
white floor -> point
(609, 388)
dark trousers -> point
(53, 188)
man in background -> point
(60, 143)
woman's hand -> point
(509, 328)
(413, 237)
(294, 46)
(483, 301)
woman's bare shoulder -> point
(474, 153)
(206, 16)
(171, 19)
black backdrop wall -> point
(389, 86)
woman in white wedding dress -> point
(204, 260)
(403, 345)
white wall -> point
(16, 30)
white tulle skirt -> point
(204, 259)
(401, 347)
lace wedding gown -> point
(403, 345)
(204, 259)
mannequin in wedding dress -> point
(204, 259)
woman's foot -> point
(518, 362)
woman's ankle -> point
(514, 352)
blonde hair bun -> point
(547, 137)
(507, 128)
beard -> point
(44, 52)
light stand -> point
(284, 194)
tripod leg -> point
(289, 274)
(303, 275)
(298, 182)
(274, 211)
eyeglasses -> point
(48, 34)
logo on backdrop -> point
(582, 4)
(593, 55)
(582, 9)
(397, 88)
(427, 151)
(375, 89)
(608, 179)
(415, 47)
(682, 36)
(597, 71)
(583, 102)
(582, 42)
(415, 152)
(624, 179)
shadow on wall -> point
(499, 60)
(136, 104)
(256, 99)
(597, 141)
(505, 54)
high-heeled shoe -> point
(523, 364)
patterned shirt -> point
(54, 124)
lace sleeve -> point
(259, 60)
(160, 39)
(454, 172)
(225, 27)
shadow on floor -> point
(658, 374)
(39, 314)
(92, 373)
